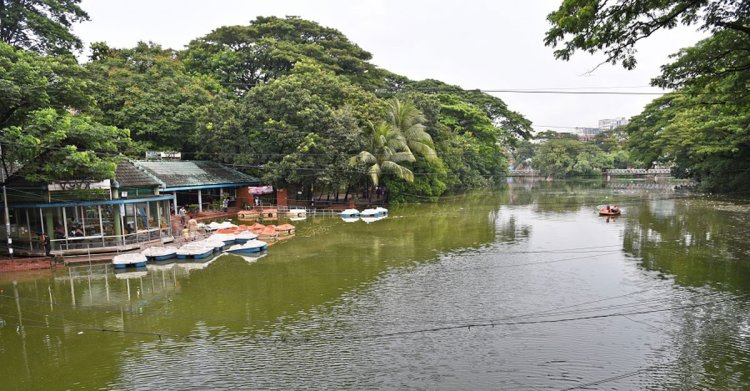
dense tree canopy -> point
(147, 90)
(40, 128)
(301, 128)
(709, 142)
(41, 25)
(242, 57)
(285, 99)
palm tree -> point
(409, 121)
(387, 149)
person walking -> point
(226, 204)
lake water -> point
(523, 287)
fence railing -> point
(85, 244)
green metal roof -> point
(132, 176)
(181, 174)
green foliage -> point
(552, 135)
(42, 26)
(720, 58)
(523, 154)
(242, 57)
(562, 157)
(709, 142)
(38, 128)
(53, 146)
(29, 82)
(301, 128)
(147, 90)
(614, 28)
(386, 150)
(286, 99)
(429, 183)
(472, 141)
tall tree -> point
(386, 151)
(41, 25)
(406, 119)
(242, 57)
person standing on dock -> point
(45, 243)
(183, 213)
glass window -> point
(164, 213)
(57, 222)
(91, 225)
(141, 210)
(74, 219)
(130, 223)
(108, 220)
(153, 215)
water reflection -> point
(697, 241)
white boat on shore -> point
(252, 246)
(133, 259)
(195, 251)
(160, 253)
(218, 245)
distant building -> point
(587, 134)
(612, 123)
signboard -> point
(169, 155)
(257, 190)
(70, 185)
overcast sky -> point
(481, 44)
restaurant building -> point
(114, 215)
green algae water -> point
(522, 287)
